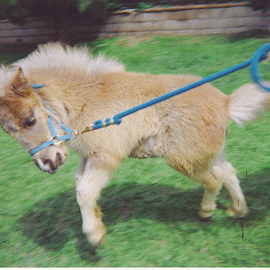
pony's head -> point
(24, 117)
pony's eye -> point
(30, 121)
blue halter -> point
(55, 139)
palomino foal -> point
(188, 130)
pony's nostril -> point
(50, 163)
(58, 160)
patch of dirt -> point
(132, 41)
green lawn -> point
(149, 209)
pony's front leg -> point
(92, 176)
(80, 171)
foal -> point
(188, 130)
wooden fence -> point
(226, 18)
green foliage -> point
(143, 6)
(150, 210)
(91, 6)
(97, 10)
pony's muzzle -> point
(50, 159)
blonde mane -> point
(55, 55)
(6, 75)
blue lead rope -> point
(254, 71)
(258, 56)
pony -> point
(188, 130)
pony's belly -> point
(146, 148)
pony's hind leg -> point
(225, 170)
(212, 185)
(92, 176)
(222, 173)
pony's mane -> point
(6, 75)
(55, 55)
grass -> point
(149, 209)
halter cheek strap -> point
(55, 140)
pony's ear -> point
(20, 84)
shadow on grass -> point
(257, 33)
(53, 222)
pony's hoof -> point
(97, 243)
(205, 220)
(232, 212)
(205, 215)
(97, 237)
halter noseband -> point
(55, 139)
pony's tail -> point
(248, 103)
